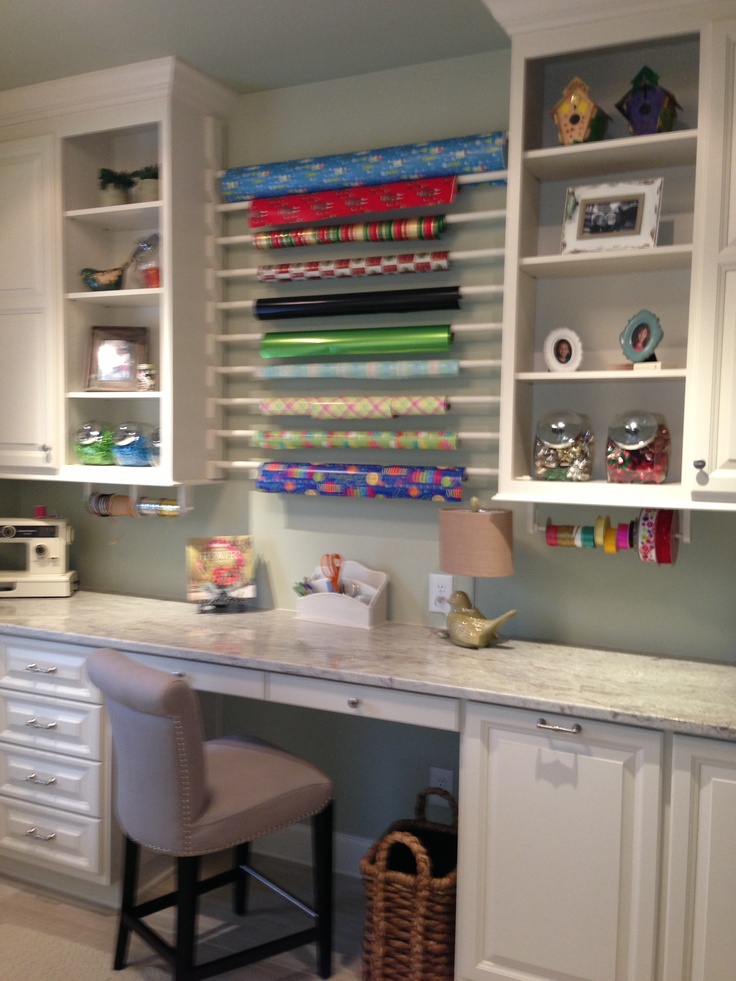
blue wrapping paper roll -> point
(365, 301)
(362, 480)
(436, 158)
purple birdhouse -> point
(647, 106)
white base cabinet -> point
(558, 840)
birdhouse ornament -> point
(578, 118)
(648, 107)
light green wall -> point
(573, 596)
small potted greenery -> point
(114, 186)
(146, 186)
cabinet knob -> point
(353, 702)
(699, 464)
(46, 447)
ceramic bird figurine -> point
(467, 626)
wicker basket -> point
(410, 877)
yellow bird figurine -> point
(467, 626)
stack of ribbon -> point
(654, 535)
(362, 480)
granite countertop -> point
(684, 696)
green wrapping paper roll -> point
(366, 340)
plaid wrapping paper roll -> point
(348, 304)
(355, 406)
(354, 439)
(396, 230)
(375, 265)
(362, 480)
(366, 340)
(448, 368)
(472, 154)
(294, 209)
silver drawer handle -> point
(39, 725)
(353, 702)
(574, 729)
(32, 833)
(34, 778)
(35, 667)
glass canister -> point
(93, 444)
(638, 449)
(132, 444)
(563, 447)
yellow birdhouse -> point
(578, 118)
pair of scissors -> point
(331, 563)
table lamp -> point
(475, 542)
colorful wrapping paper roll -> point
(362, 480)
(457, 155)
(375, 265)
(446, 368)
(278, 406)
(347, 304)
(397, 230)
(355, 406)
(366, 340)
(354, 439)
(295, 209)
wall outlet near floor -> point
(445, 780)
(440, 589)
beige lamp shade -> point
(476, 542)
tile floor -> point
(26, 905)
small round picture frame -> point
(640, 336)
(562, 350)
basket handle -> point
(421, 901)
(420, 807)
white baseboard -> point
(295, 845)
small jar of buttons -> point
(638, 448)
(563, 447)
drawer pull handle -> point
(40, 725)
(32, 833)
(35, 667)
(34, 778)
(574, 729)
(353, 702)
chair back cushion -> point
(157, 736)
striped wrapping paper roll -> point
(457, 155)
(354, 439)
(398, 230)
(362, 480)
(449, 368)
(366, 340)
(368, 302)
(295, 209)
(376, 265)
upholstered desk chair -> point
(179, 794)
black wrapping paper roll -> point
(345, 304)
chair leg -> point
(131, 857)
(322, 842)
(240, 890)
(187, 870)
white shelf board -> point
(558, 377)
(584, 160)
(611, 262)
(123, 298)
(120, 217)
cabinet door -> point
(558, 845)
(700, 941)
(28, 437)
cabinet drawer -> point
(51, 724)
(221, 678)
(370, 703)
(50, 837)
(53, 780)
(46, 669)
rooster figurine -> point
(467, 626)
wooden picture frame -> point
(114, 356)
(562, 350)
(619, 215)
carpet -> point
(32, 955)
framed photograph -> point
(640, 337)
(562, 350)
(621, 215)
(114, 356)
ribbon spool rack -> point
(132, 505)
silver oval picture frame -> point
(562, 350)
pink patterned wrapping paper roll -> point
(419, 405)
(355, 407)
(377, 265)
(285, 406)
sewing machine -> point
(34, 557)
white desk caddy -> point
(367, 607)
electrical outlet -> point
(440, 590)
(445, 780)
